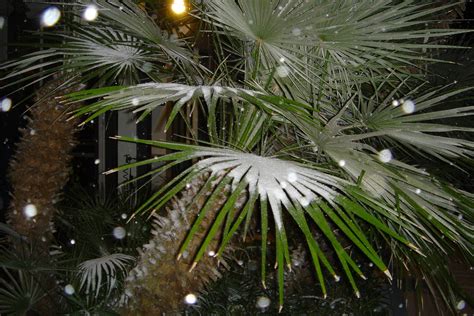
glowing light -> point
(72, 242)
(178, 7)
(395, 103)
(90, 13)
(6, 104)
(385, 155)
(50, 16)
(119, 232)
(408, 106)
(342, 163)
(211, 253)
(97, 161)
(190, 299)
(263, 302)
(30, 210)
(69, 289)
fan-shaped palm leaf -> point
(99, 273)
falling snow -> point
(50, 16)
(119, 232)
(69, 289)
(342, 163)
(385, 155)
(263, 302)
(2, 22)
(6, 104)
(90, 13)
(30, 210)
(461, 305)
(408, 106)
(190, 299)
(97, 161)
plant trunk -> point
(159, 283)
(41, 164)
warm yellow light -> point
(178, 7)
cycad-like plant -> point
(319, 115)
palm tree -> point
(318, 113)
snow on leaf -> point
(103, 271)
(266, 174)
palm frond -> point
(335, 43)
(19, 292)
(103, 273)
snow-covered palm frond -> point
(121, 46)
(129, 17)
(104, 272)
(275, 186)
(330, 41)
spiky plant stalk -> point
(40, 167)
(163, 277)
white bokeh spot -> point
(119, 232)
(90, 13)
(6, 104)
(30, 210)
(190, 299)
(408, 106)
(69, 289)
(50, 16)
(385, 155)
(263, 302)
(461, 305)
